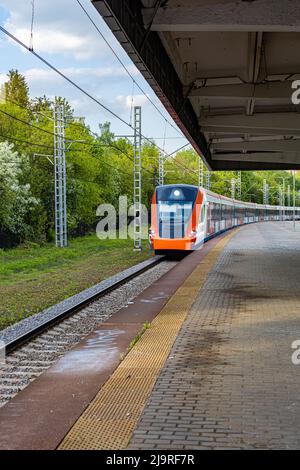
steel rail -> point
(97, 291)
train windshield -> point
(175, 205)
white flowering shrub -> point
(16, 200)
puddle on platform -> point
(98, 353)
(160, 296)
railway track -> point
(35, 343)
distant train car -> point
(183, 216)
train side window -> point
(203, 210)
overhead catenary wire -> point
(7, 137)
(124, 66)
(31, 26)
(64, 76)
(131, 104)
(78, 87)
(27, 123)
(12, 139)
(27, 142)
(67, 140)
(82, 142)
(59, 72)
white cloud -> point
(37, 74)
(126, 101)
(59, 27)
(3, 78)
(58, 42)
(62, 30)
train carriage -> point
(184, 216)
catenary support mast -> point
(60, 177)
(137, 180)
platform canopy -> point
(223, 69)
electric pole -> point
(60, 177)
(265, 192)
(200, 172)
(239, 185)
(207, 179)
(232, 188)
(137, 180)
(161, 171)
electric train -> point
(183, 216)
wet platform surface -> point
(41, 415)
(229, 381)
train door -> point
(202, 227)
(210, 219)
(222, 216)
(235, 216)
(217, 215)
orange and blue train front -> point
(174, 218)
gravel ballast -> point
(30, 360)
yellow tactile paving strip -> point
(110, 419)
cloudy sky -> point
(64, 36)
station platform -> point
(228, 380)
(213, 368)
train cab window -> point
(174, 209)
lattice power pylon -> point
(200, 173)
(265, 192)
(239, 186)
(161, 170)
(233, 181)
(207, 178)
(60, 177)
(137, 180)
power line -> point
(79, 87)
(47, 146)
(67, 140)
(82, 143)
(31, 26)
(10, 138)
(178, 149)
(115, 147)
(59, 72)
(27, 123)
(124, 66)
(25, 107)
(15, 139)
(33, 125)
(52, 67)
(25, 141)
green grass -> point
(146, 326)
(35, 277)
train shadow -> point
(174, 255)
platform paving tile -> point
(229, 381)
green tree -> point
(16, 89)
(16, 198)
